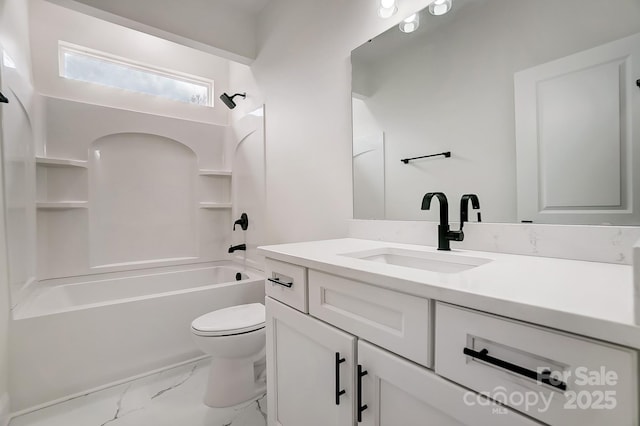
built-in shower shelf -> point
(60, 162)
(215, 172)
(215, 205)
(62, 205)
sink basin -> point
(415, 259)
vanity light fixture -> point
(410, 24)
(387, 8)
(440, 7)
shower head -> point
(228, 100)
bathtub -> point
(71, 335)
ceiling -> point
(193, 8)
(226, 28)
(248, 6)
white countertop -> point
(587, 298)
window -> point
(77, 63)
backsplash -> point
(609, 244)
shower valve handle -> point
(243, 222)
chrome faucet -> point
(445, 235)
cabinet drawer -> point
(392, 320)
(590, 384)
(287, 283)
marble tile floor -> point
(169, 398)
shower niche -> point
(61, 183)
(215, 189)
(121, 190)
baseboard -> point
(4, 409)
(99, 388)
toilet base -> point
(235, 381)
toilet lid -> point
(233, 320)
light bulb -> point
(440, 7)
(387, 8)
(410, 24)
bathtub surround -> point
(72, 337)
(608, 244)
(191, 207)
(20, 127)
(167, 398)
(15, 43)
(248, 181)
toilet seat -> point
(230, 321)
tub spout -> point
(238, 247)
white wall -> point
(451, 89)
(14, 38)
(51, 23)
(303, 69)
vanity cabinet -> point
(304, 373)
(364, 354)
(317, 377)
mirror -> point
(536, 101)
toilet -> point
(235, 339)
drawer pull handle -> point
(338, 390)
(361, 407)
(277, 281)
(542, 377)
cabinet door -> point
(398, 392)
(303, 372)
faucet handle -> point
(464, 207)
(455, 235)
(243, 222)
